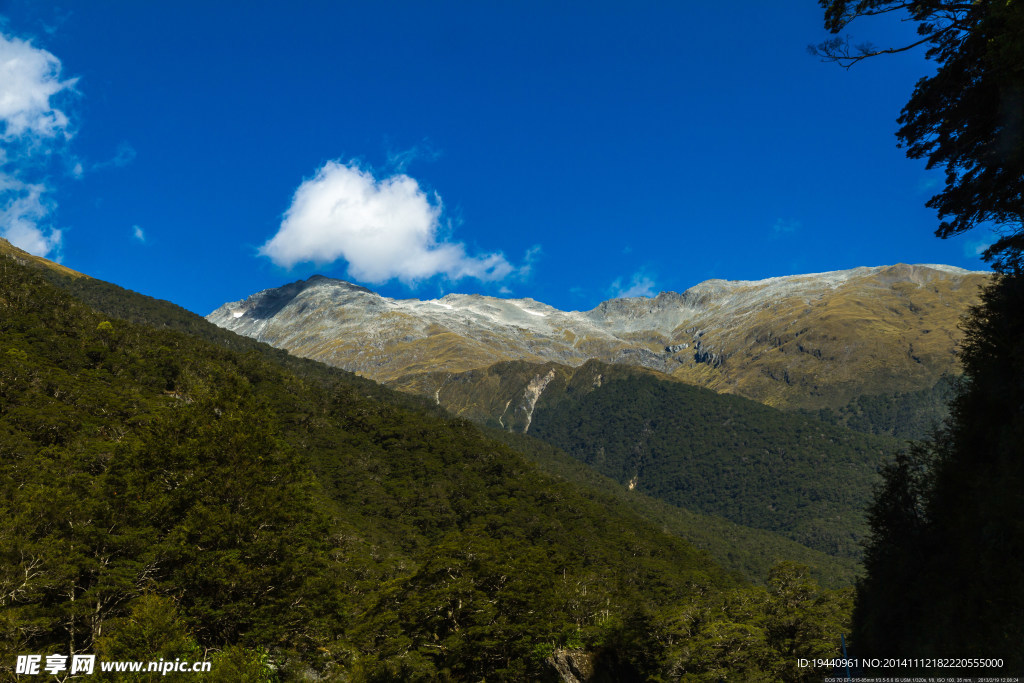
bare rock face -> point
(795, 341)
(572, 666)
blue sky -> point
(199, 152)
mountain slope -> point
(22, 257)
(149, 473)
(808, 341)
(711, 453)
(910, 415)
(752, 552)
(749, 551)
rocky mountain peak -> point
(779, 340)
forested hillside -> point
(904, 415)
(158, 489)
(749, 551)
(786, 472)
(721, 455)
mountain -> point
(716, 454)
(807, 341)
(22, 257)
(163, 488)
(749, 551)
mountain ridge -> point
(814, 340)
(23, 257)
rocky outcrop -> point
(572, 666)
(533, 391)
(703, 354)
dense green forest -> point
(115, 301)
(165, 496)
(904, 415)
(752, 552)
(721, 455)
(749, 551)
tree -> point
(968, 117)
(941, 577)
(941, 580)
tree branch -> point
(829, 51)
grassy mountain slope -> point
(894, 330)
(24, 258)
(802, 341)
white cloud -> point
(30, 127)
(139, 235)
(385, 229)
(29, 78)
(639, 285)
(529, 258)
(22, 209)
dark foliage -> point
(117, 302)
(722, 455)
(943, 564)
(749, 551)
(903, 415)
(943, 569)
(163, 495)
